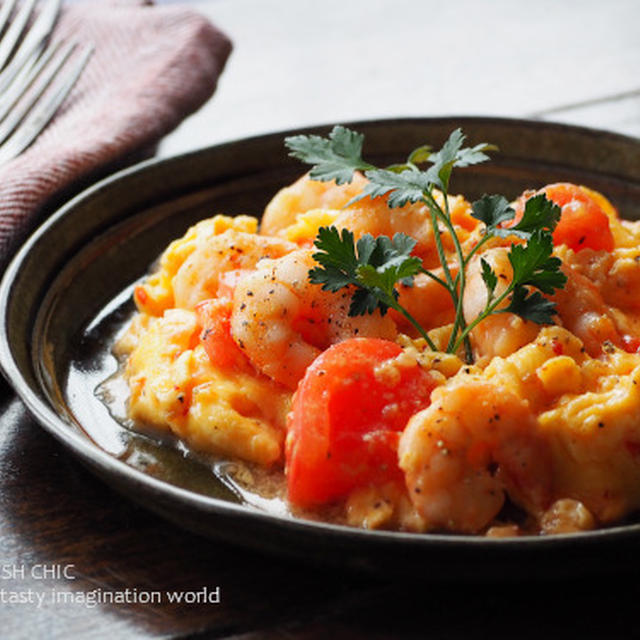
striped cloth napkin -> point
(152, 66)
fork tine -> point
(11, 37)
(23, 81)
(40, 29)
(38, 33)
(5, 12)
(39, 117)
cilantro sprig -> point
(373, 267)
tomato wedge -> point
(346, 419)
(583, 223)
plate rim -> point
(89, 452)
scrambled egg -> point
(173, 383)
(570, 394)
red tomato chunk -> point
(344, 425)
(583, 224)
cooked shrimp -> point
(580, 307)
(475, 444)
(198, 278)
(427, 301)
(583, 311)
(305, 194)
(283, 322)
(372, 215)
(369, 215)
(615, 273)
(500, 334)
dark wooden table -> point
(296, 63)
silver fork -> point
(34, 79)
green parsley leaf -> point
(490, 279)
(386, 276)
(539, 213)
(533, 265)
(334, 158)
(531, 306)
(492, 210)
(407, 186)
(453, 155)
(374, 266)
(398, 168)
(337, 257)
(364, 301)
(420, 154)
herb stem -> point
(394, 305)
(380, 264)
(488, 310)
(477, 247)
(458, 285)
(434, 277)
(436, 212)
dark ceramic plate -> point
(61, 302)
